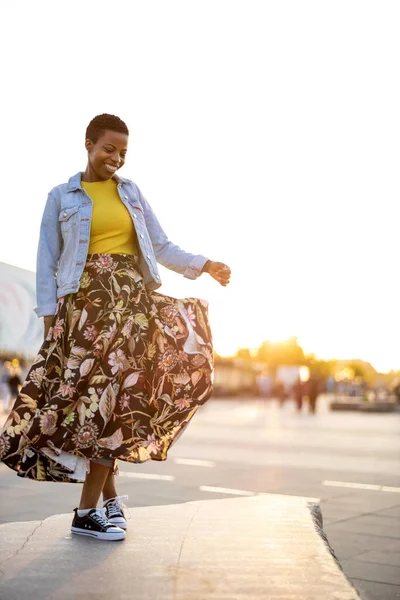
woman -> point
(123, 368)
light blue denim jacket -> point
(65, 235)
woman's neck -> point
(89, 176)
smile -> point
(110, 168)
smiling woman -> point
(106, 148)
(123, 368)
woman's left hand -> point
(219, 271)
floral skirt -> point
(120, 374)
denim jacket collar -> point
(74, 183)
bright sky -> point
(264, 134)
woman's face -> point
(107, 155)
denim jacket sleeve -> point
(168, 254)
(47, 259)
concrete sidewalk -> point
(267, 546)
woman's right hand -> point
(47, 324)
(219, 271)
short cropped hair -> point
(99, 124)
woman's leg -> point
(109, 488)
(93, 486)
(113, 502)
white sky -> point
(264, 134)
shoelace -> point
(100, 517)
(117, 506)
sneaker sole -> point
(118, 535)
(122, 525)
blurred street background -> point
(253, 445)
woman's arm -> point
(49, 251)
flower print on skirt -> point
(120, 374)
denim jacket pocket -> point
(67, 217)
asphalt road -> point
(350, 461)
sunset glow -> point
(273, 148)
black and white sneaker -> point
(96, 524)
(115, 511)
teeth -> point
(111, 168)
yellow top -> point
(112, 230)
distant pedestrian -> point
(280, 392)
(298, 393)
(313, 391)
(14, 384)
(123, 368)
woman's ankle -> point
(82, 512)
(85, 506)
(107, 497)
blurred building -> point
(234, 377)
(21, 332)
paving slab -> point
(390, 555)
(350, 545)
(370, 524)
(380, 573)
(394, 511)
(268, 546)
(372, 589)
